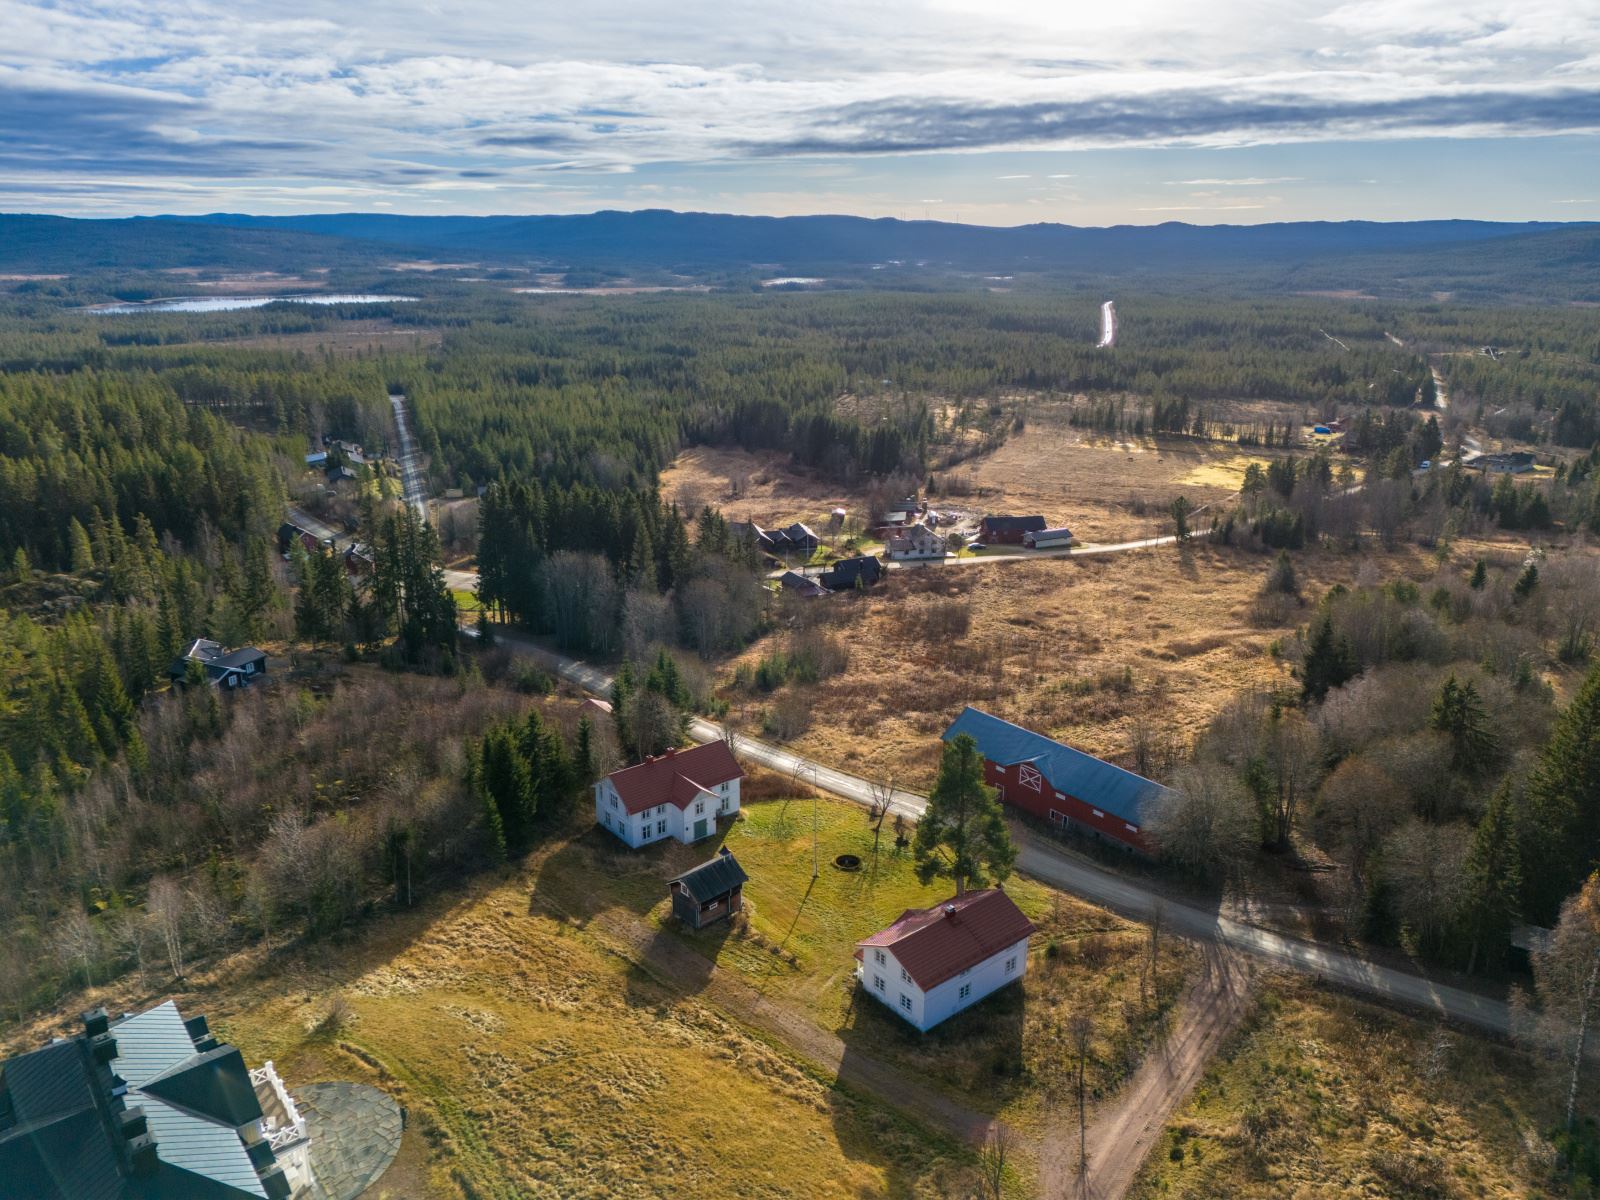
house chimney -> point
(142, 1150)
(950, 910)
(722, 850)
(95, 1021)
(671, 750)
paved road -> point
(1108, 323)
(410, 469)
(1044, 861)
(318, 529)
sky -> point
(994, 112)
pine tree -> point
(962, 835)
(1480, 575)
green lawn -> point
(797, 940)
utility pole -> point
(816, 866)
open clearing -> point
(1082, 649)
(1104, 488)
(1321, 1095)
(346, 338)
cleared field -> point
(1104, 489)
(1085, 649)
(796, 940)
(344, 339)
(751, 486)
(1324, 1096)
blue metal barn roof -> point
(1094, 781)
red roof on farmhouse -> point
(938, 943)
(676, 777)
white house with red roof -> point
(679, 794)
(934, 962)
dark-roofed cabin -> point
(802, 585)
(935, 962)
(1009, 531)
(852, 572)
(148, 1107)
(223, 668)
(1058, 784)
(711, 892)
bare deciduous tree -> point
(1205, 823)
(166, 906)
(992, 1163)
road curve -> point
(1042, 860)
(1108, 324)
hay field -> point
(1322, 1096)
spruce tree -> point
(1561, 825)
(1328, 663)
(962, 836)
(1494, 883)
(1458, 712)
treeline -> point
(255, 817)
(123, 449)
(605, 571)
(526, 778)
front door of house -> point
(699, 829)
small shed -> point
(594, 709)
(710, 892)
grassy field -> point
(536, 1061)
(1324, 1096)
(1084, 649)
(540, 1053)
(797, 939)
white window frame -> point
(877, 957)
(966, 991)
(905, 1001)
(1011, 965)
(661, 828)
(699, 808)
(877, 982)
(905, 975)
(1028, 776)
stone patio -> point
(355, 1134)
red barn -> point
(1008, 531)
(1059, 784)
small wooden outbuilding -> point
(711, 892)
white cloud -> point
(375, 96)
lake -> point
(205, 304)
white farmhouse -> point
(915, 541)
(679, 794)
(934, 962)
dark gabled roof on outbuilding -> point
(1007, 524)
(712, 879)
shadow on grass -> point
(975, 1055)
(595, 872)
(672, 960)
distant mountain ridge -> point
(663, 238)
(1538, 260)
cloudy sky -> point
(992, 111)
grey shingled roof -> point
(712, 879)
